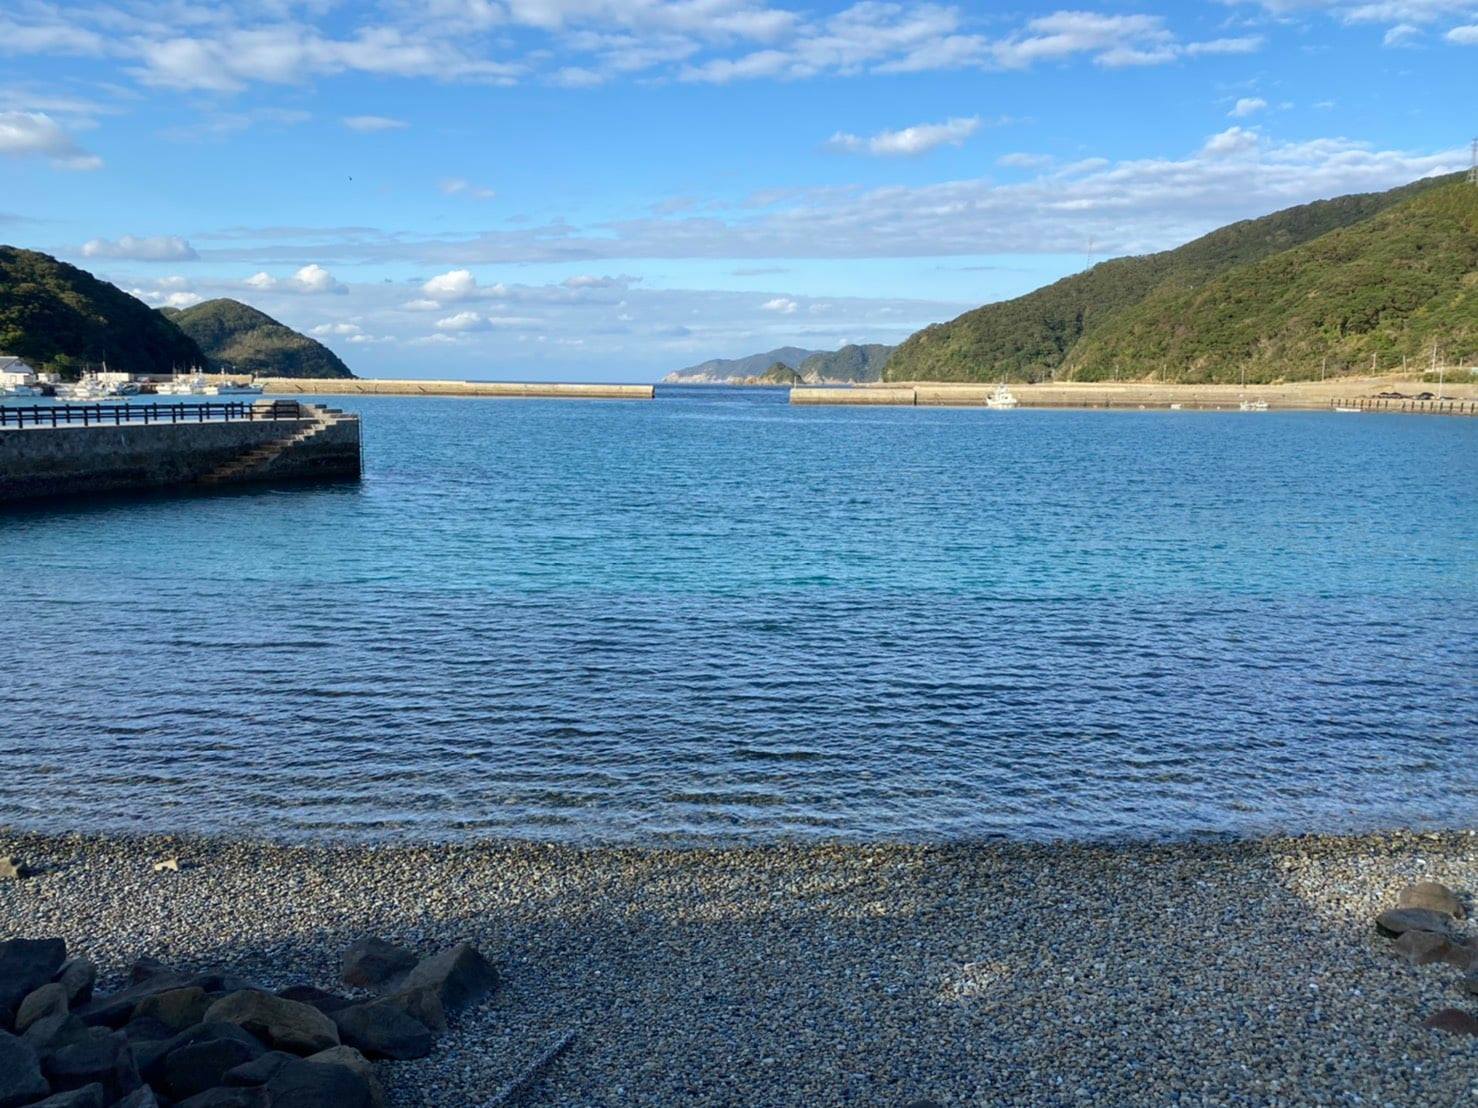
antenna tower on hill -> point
(1473, 165)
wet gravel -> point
(1197, 973)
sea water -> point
(714, 617)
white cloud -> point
(1234, 140)
(461, 321)
(168, 292)
(337, 329)
(476, 321)
(1404, 19)
(1130, 205)
(587, 281)
(1021, 160)
(578, 43)
(26, 134)
(460, 186)
(1246, 106)
(368, 124)
(155, 248)
(314, 278)
(780, 304)
(422, 305)
(291, 53)
(262, 281)
(1113, 41)
(918, 139)
(458, 284)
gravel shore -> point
(1205, 973)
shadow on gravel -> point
(992, 974)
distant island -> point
(62, 319)
(1335, 286)
(790, 365)
(723, 371)
(238, 338)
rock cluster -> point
(1424, 925)
(212, 1040)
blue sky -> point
(595, 189)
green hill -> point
(1389, 286)
(850, 363)
(237, 337)
(1038, 335)
(63, 319)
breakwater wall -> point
(359, 386)
(1461, 400)
(74, 459)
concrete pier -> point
(245, 443)
(359, 386)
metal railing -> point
(116, 415)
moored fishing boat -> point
(1001, 398)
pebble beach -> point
(1239, 972)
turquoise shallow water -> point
(714, 617)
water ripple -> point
(714, 617)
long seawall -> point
(72, 459)
(363, 386)
(1365, 395)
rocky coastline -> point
(1274, 971)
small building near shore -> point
(15, 372)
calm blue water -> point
(716, 617)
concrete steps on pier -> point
(257, 460)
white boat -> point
(1346, 409)
(21, 390)
(193, 384)
(1175, 407)
(88, 389)
(1001, 398)
(1250, 405)
(251, 388)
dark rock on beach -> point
(352, 1060)
(26, 965)
(259, 1070)
(21, 1081)
(213, 1040)
(231, 1097)
(371, 962)
(1452, 1020)
(318, 998)
(104, 1058)
(1397, 921)
(1432, 896)
(89, 1096)
(48, 1000)
(13, 869)
(304, 1084)
(78, 977)
(193, 1069)
(459, 975)
(284, 1024)
(1422, 948)
(176, 1009)
(383, 1030)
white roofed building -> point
(15, 372)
